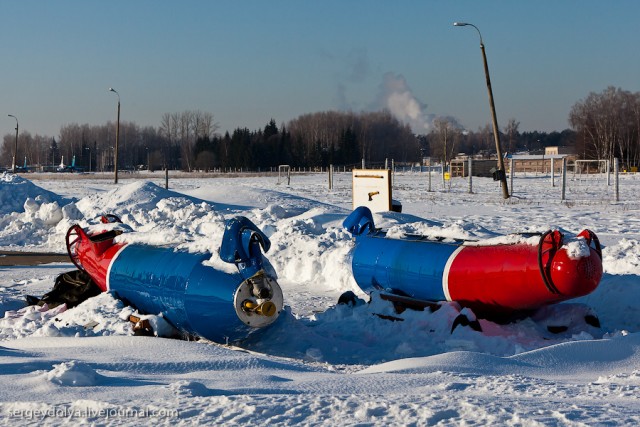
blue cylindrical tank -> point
(192, 296)
(489, 277)
(218, 304)
(198, 299)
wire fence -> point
(579, 185)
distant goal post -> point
(590, 166)
(284, 174)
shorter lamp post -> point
(15, 149)
(502, 176)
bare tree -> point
(608, 124)
(444, 139)
(511, 131)
(205, 125)
(182, 130)
(166, 126)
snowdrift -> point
(320, 363)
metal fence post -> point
(511, 172)
(393, 173)
(564, 178)
(470, 175)
(616, 169)
(330, 177)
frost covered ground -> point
(319, 364)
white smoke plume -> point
(396, 96)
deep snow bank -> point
(311, 254)
(15, 191)
(32, 216)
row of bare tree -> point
(93, 146)
(312, 140)
(184, 129)
(371, 136)
(447, 139)
(188, 140)
(608, 125)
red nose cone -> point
(576, 277)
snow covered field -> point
(319, 364)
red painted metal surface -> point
(93, 254)
(505, 278)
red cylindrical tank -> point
(493, 277)
(506, 278)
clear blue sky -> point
(249, 61)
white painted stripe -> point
(445, 274)
(113, 260)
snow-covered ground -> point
(319, 364)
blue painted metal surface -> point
(194, 297)
(359, 221)
(242, 243)
(398, 265)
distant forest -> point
(604, 125)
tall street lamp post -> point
(115, 160)
(15, 149)
(501, 175)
